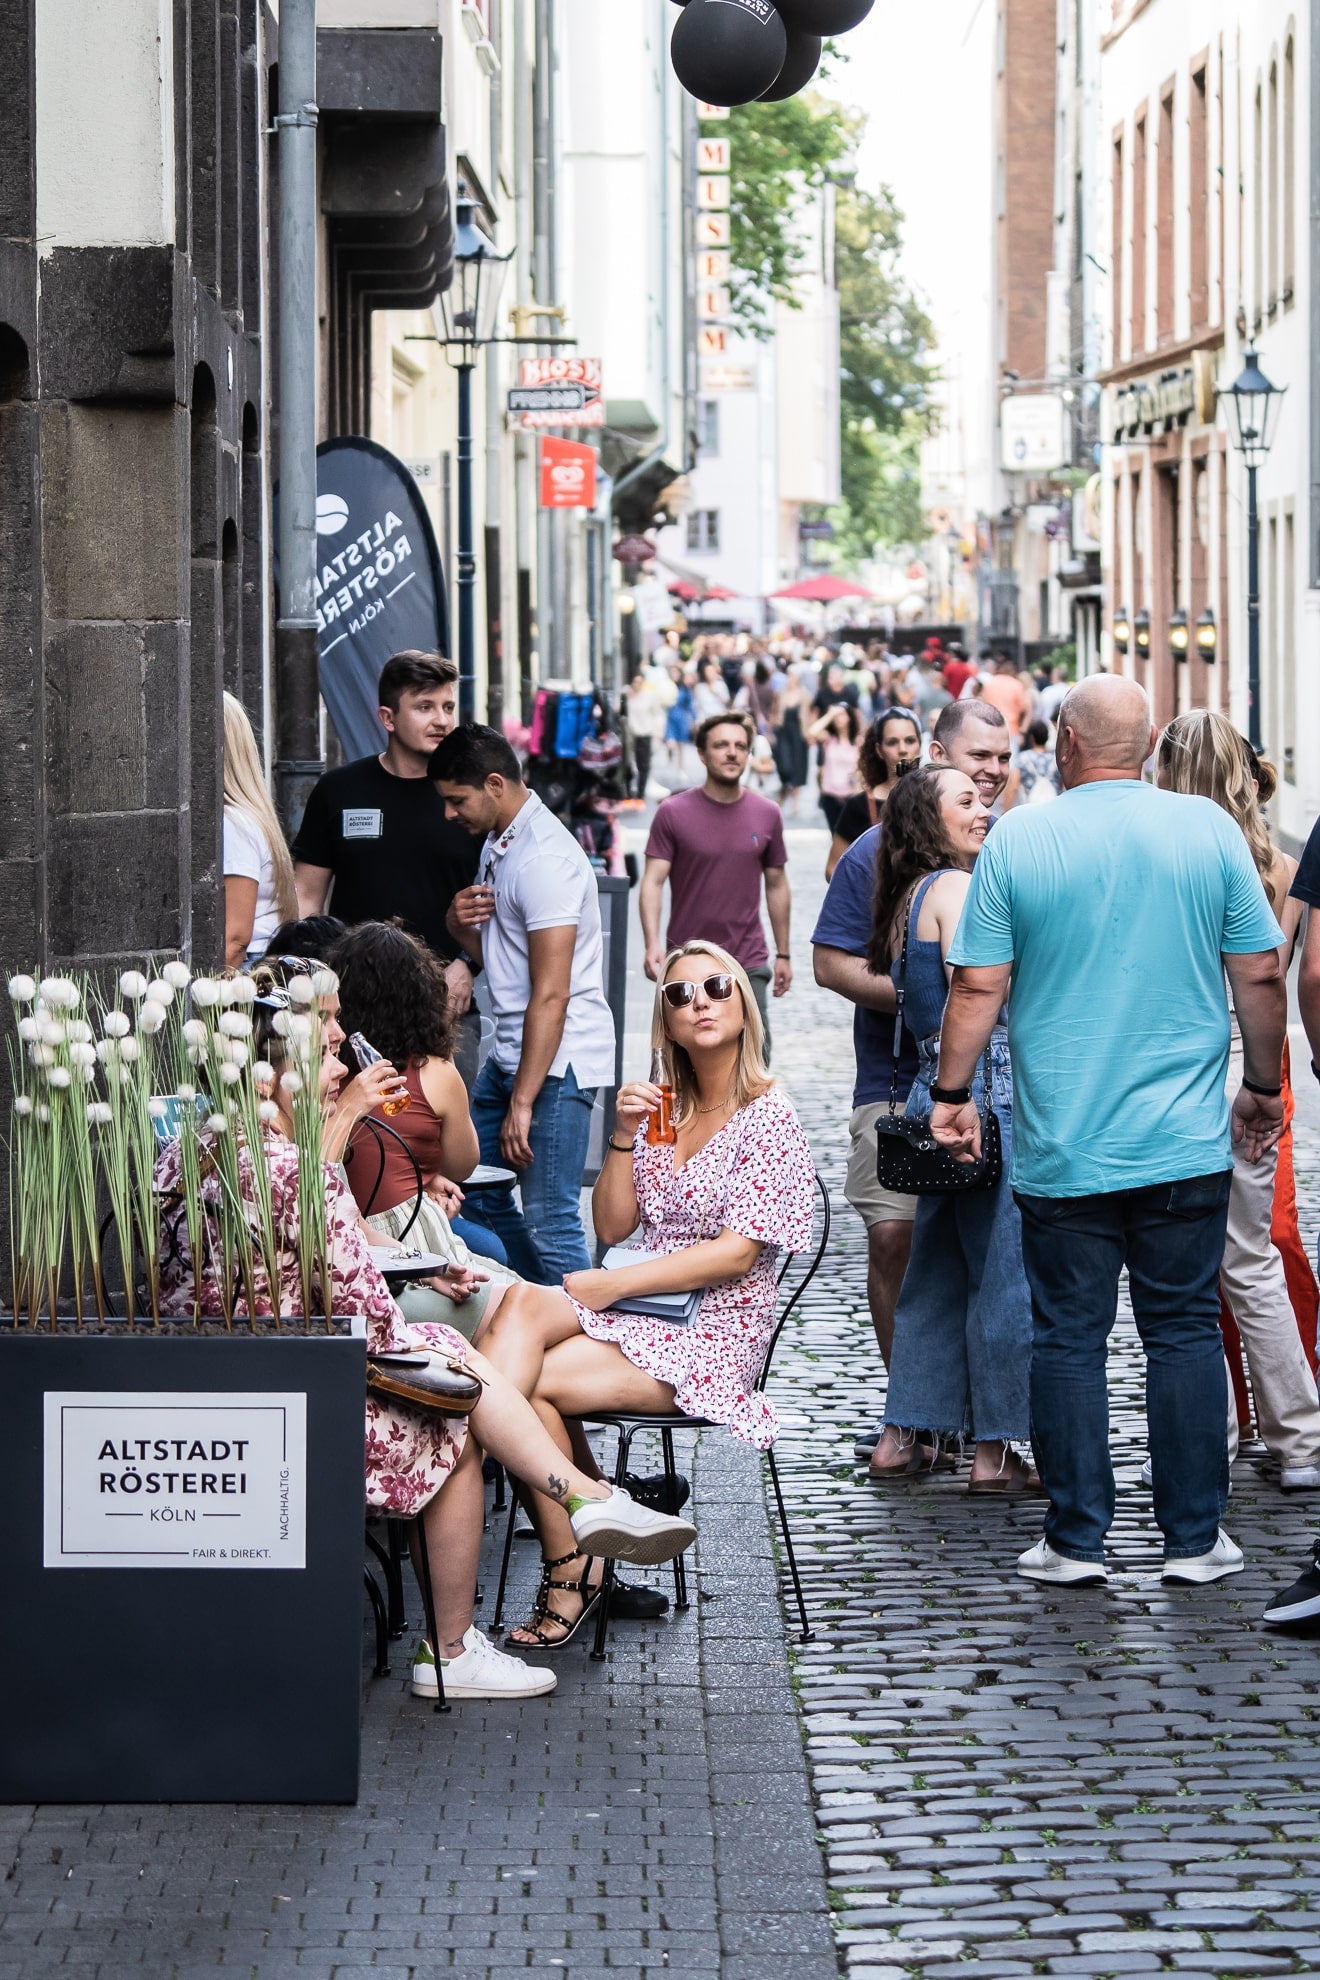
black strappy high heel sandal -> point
(543, 1613)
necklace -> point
(716, 1108)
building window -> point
(1272, 218)
(703, 529)
(1197, 203)
(1116, 251)
(1164, 222)
(708, 427)
(1138, 236)
(1257, 209)
(1289, 174)
(1286, 736)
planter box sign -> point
(150, 1479)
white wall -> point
(105, 123)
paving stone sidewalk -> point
(1012, 1781)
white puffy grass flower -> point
(107, 1051)
(22, 1104)
(133, 984)
(87, 1074)
(205, 992)
(151, 1017)
(157, 1108)
(195, 1033)
(59, 1077)
(28, 1030)
(98, 1113)
(291, 1082)
(236, 1024)
(263, 1072)
(49, 1032)
(217, 1124)
(177, 975)
(186, 1091)
(22, 989)
(244, 990)
(81, 1054)
(267, 1112)
(160, 991)
(80, 1031)
(300, 1027)
(235, 1052)
(117, 1024)
(229, 990)
(60, 992)
(41, 1055)
(279, 1024)
(300, 990)
(324, 983)
(129, 1049)
(43, 1114)
(230, 1075)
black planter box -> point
(170, 1655)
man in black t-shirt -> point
(375, 843)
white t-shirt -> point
(247, 857)
(543, 879)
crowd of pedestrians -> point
(1064, 939)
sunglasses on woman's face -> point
(717, 988)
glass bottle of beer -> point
(366, 1055)
(660, 1124)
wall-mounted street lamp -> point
(1207, 636)
(1122, 629)
(1251, 404)
(1141, 633)
(1180, 634)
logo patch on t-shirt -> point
(365, 824)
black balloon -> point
(800, 65)
(728, 51)
(823, 16)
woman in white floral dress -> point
(717, 1207)
(411, 1454)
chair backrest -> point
(378, 1130)
(796, 1274)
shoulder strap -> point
(900, 997)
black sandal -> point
(543, 1613)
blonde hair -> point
(751, 1078)
(245, 790)
(1202, 755)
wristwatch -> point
(951, 1096)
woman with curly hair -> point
(961, 1360)
(392, 990)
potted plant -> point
(183, 1569)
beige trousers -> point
(1256, 1291)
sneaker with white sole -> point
(1299, 1478)
(1224, 1558)
(481, 1672)
(619, 1529)
(1148, 1474)
(1042, 1563)
(1301, 1602)
(865, 1442)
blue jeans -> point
(1171, 1238)
(479, 1239)
(545, 1238)
(962, 1326)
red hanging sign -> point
(568, 474)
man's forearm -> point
(969, 1019)
(850, 977)
(543, 1030)
(1308, 983)
(1262, 1014)
(650, 899)
(779, 907)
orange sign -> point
(568, 475)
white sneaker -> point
(1225, 1557)
(481, 1672)
(1148, 1474)
(1300, 1478)
(1041, 1563)
(618, 1529)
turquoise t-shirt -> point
(1114, 905)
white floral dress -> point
(409, 1453)
(755, 1177)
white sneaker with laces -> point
(1299, 1478)
(481, 1672)
(618, 1529)
(1041, 1563)
(1224, 1558)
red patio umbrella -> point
(823, 590)
(692, 594)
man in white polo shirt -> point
(533, 920)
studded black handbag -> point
(908, 1159)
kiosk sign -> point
(175, 1481)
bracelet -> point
(782, 955)
(1265, 1092)
(951, 1096)
(621, 1147)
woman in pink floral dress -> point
(717, 1207)
(417, 1462)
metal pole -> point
(467, 556)
(297, 688)
(1253, 610)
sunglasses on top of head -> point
(717, 988)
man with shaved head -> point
(1108, 919)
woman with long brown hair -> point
(961, 1360)
(890, 748)
(1265, 1279)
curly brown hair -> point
(912, 844)
(392, 988)
(871, 762)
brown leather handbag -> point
(441, 1383)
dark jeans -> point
(642, 746)
(1171, 1238)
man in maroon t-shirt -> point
(716, 845)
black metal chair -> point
(795, 1275)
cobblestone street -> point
(1004, 1781)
